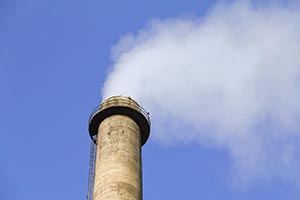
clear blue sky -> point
(54, 58)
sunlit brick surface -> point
(118, 162)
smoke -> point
(229, 80)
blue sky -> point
(54, 59)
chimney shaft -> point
(122, 127)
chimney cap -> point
(120, 105)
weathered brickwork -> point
(118, 172)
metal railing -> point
(120, 101)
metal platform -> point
(120, 105)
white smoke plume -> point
(228, 80)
